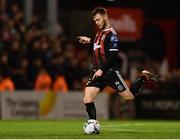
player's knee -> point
(127, 95)
(90, 94)
(129, 98)
(88, 100)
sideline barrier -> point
(34, 105)
(158, 106)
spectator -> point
(60, 84)
(43, 81)
(6, 84)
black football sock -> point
(138, 85)
(91, 110)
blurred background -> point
(42, 62)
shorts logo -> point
(117, 83)
(119, 86)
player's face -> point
(100, 21)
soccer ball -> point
(92, 127)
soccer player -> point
(105, 64)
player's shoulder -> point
(111, 34)
(110, 29)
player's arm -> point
(84, 39)
(113, 49)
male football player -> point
(105, 64)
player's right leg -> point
(93, 87)
(89, 97)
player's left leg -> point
(115, 80)
(127, 95)
(139, 83)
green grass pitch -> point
(72, 129)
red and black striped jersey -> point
(105, 49)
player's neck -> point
(107, 26)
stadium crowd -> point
(32, 58)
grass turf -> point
(73, 129)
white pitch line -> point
(132, 130)
(137, 124)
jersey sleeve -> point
(112, 49)
(113, 43)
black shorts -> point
(112, 78)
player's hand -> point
(98, 73)
(84, 39)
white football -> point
(92, 127)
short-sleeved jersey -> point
(105, 44)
